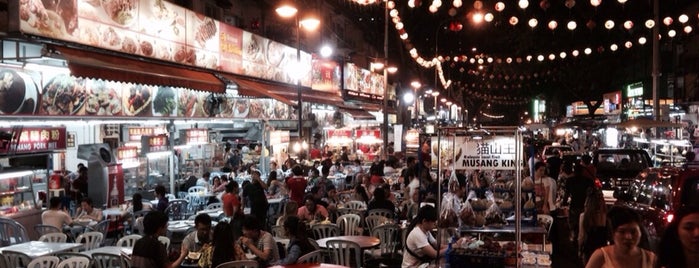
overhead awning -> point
(113, 67)
(377, 107)
(283, 92)
(358, 114)
(261, 89)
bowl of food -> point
(193, 255)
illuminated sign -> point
(634, 90)
(196, 136)
(153, 144)
(32, 140)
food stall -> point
(26, 160)
(336, 139)
(159, 161)
(369, 143)
(279, 146)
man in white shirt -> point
(204, 180)
(54, 216)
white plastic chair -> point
(348, 223)
(239, 264)
(90, 240)
(214, 206)
(344, 252)
(547, 221)
(54, 238)
(74, 262)
(128, 241)
(104, 260)
(44, 262)
(15, 258)
(321, 231)
(373, 221)
(166, 241)
(356, 205)
(196, 190)
(315, 256)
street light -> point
(415, 85)
(287, 10)
(435, 94)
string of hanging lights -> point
(683, 22)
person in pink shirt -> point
(312, 211)
(296, 185)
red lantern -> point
(455, 26)
(544, 4)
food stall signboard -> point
(126, 153)
(163, 31)
(196, 136)
(153, 144)
(135, 133)
(489, 153)
(279, 136)
(363, 84)
(32, 140)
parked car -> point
(656, 193)
(549, 150)
(616, 168)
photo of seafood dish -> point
(185, 55)
(103, 98)
(146, 48)
(165, 102)
(122, 12)
(281, 110)
(137, 99)
(129, 45)
(187, 103)
(111, 38)
(63, 95)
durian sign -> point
(489, 153)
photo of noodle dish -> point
(102, 98)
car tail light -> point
(669, 216)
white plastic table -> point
(35, 249)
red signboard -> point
(196, 136)
(368, 132)
(339, 133)
(32, 140)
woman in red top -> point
(296, 185)
(232, 207)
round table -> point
(309, 265)
(364, 242)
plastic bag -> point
(447, 213)
(466, 215)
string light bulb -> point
(553, 24)
(523, 4)
(572, 25)
(683, 18)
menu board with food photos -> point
(66, 95)
(161, 30)
(363, 84)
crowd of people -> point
(605, 237)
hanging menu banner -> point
(33, 140)
(162, 30)
(363, 84)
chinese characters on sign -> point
(32, 140)
(153, 144)
(197, 136)
(124, 153)
(490, 153)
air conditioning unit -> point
(100, 152)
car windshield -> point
(621, 161)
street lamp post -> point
(286, 10)
(415, 85)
